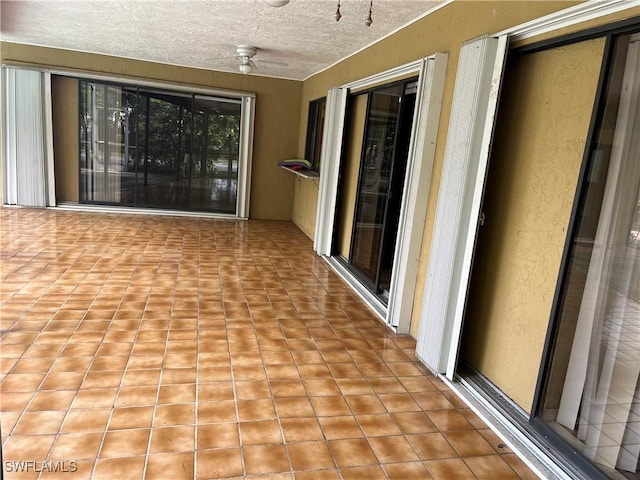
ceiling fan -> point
(246, 54)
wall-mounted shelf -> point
(304, 173)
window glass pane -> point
(315, 130)
(158, 149)
(375, 177)
(592, 396)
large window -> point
(592, 391)
(153, 148)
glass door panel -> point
(382, 168)
(164, 177)
(375, 180)
(592, 392)
(107, 143)
(216, 150)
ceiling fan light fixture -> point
(276, 3)
(245, 68)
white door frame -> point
(431, 75)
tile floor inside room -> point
(174, 348)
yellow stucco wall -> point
(271, 187)
(350, 171)
(543, 122)
(64, 93)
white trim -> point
(138, 82)
(424, 133)
(568, 17)
(330, 169)
(476, 201)
(49, 168)
(247, 116)
(387, 76)
(9, 150)
(478, 80)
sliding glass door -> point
(385, 131)
(153, 148)
(592, 391)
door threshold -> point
(365, 295)
(82, 207)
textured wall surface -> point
(541, 133)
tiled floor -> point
(158, 347)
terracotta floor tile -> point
(469, 443)
(431, 446)
(330, 406)
(125, 443)
(221, 435)
(331, 474)
(371, 472)
(118, 333)
(16, 401)
(176, 466)
(21, 382)
(139, 378)
(172, 439)
(77, 446)
(519, 466)
(392, 449)
(365, 404)
(287, 388)
(310, 456)
(414, 422)
(130, 468)
(495, 441)
(321, 387)
(352, 452)
(216, 412)
(86, 420)
(489, 467)
(378, 425)
(264, 432)
(301, 429)
(34, 423)
(293, 407)
(407, 471)
(95, 398)
(449, 420)
(137, 396)
(265, 459)
(20, 447)
(252, 410)
(182, 393)
(252, 390)
(83, 470)
(131, 417)
(51, 400)
(220, 463)
(217, 391)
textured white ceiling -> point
(204, 33)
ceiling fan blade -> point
(272, 62)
